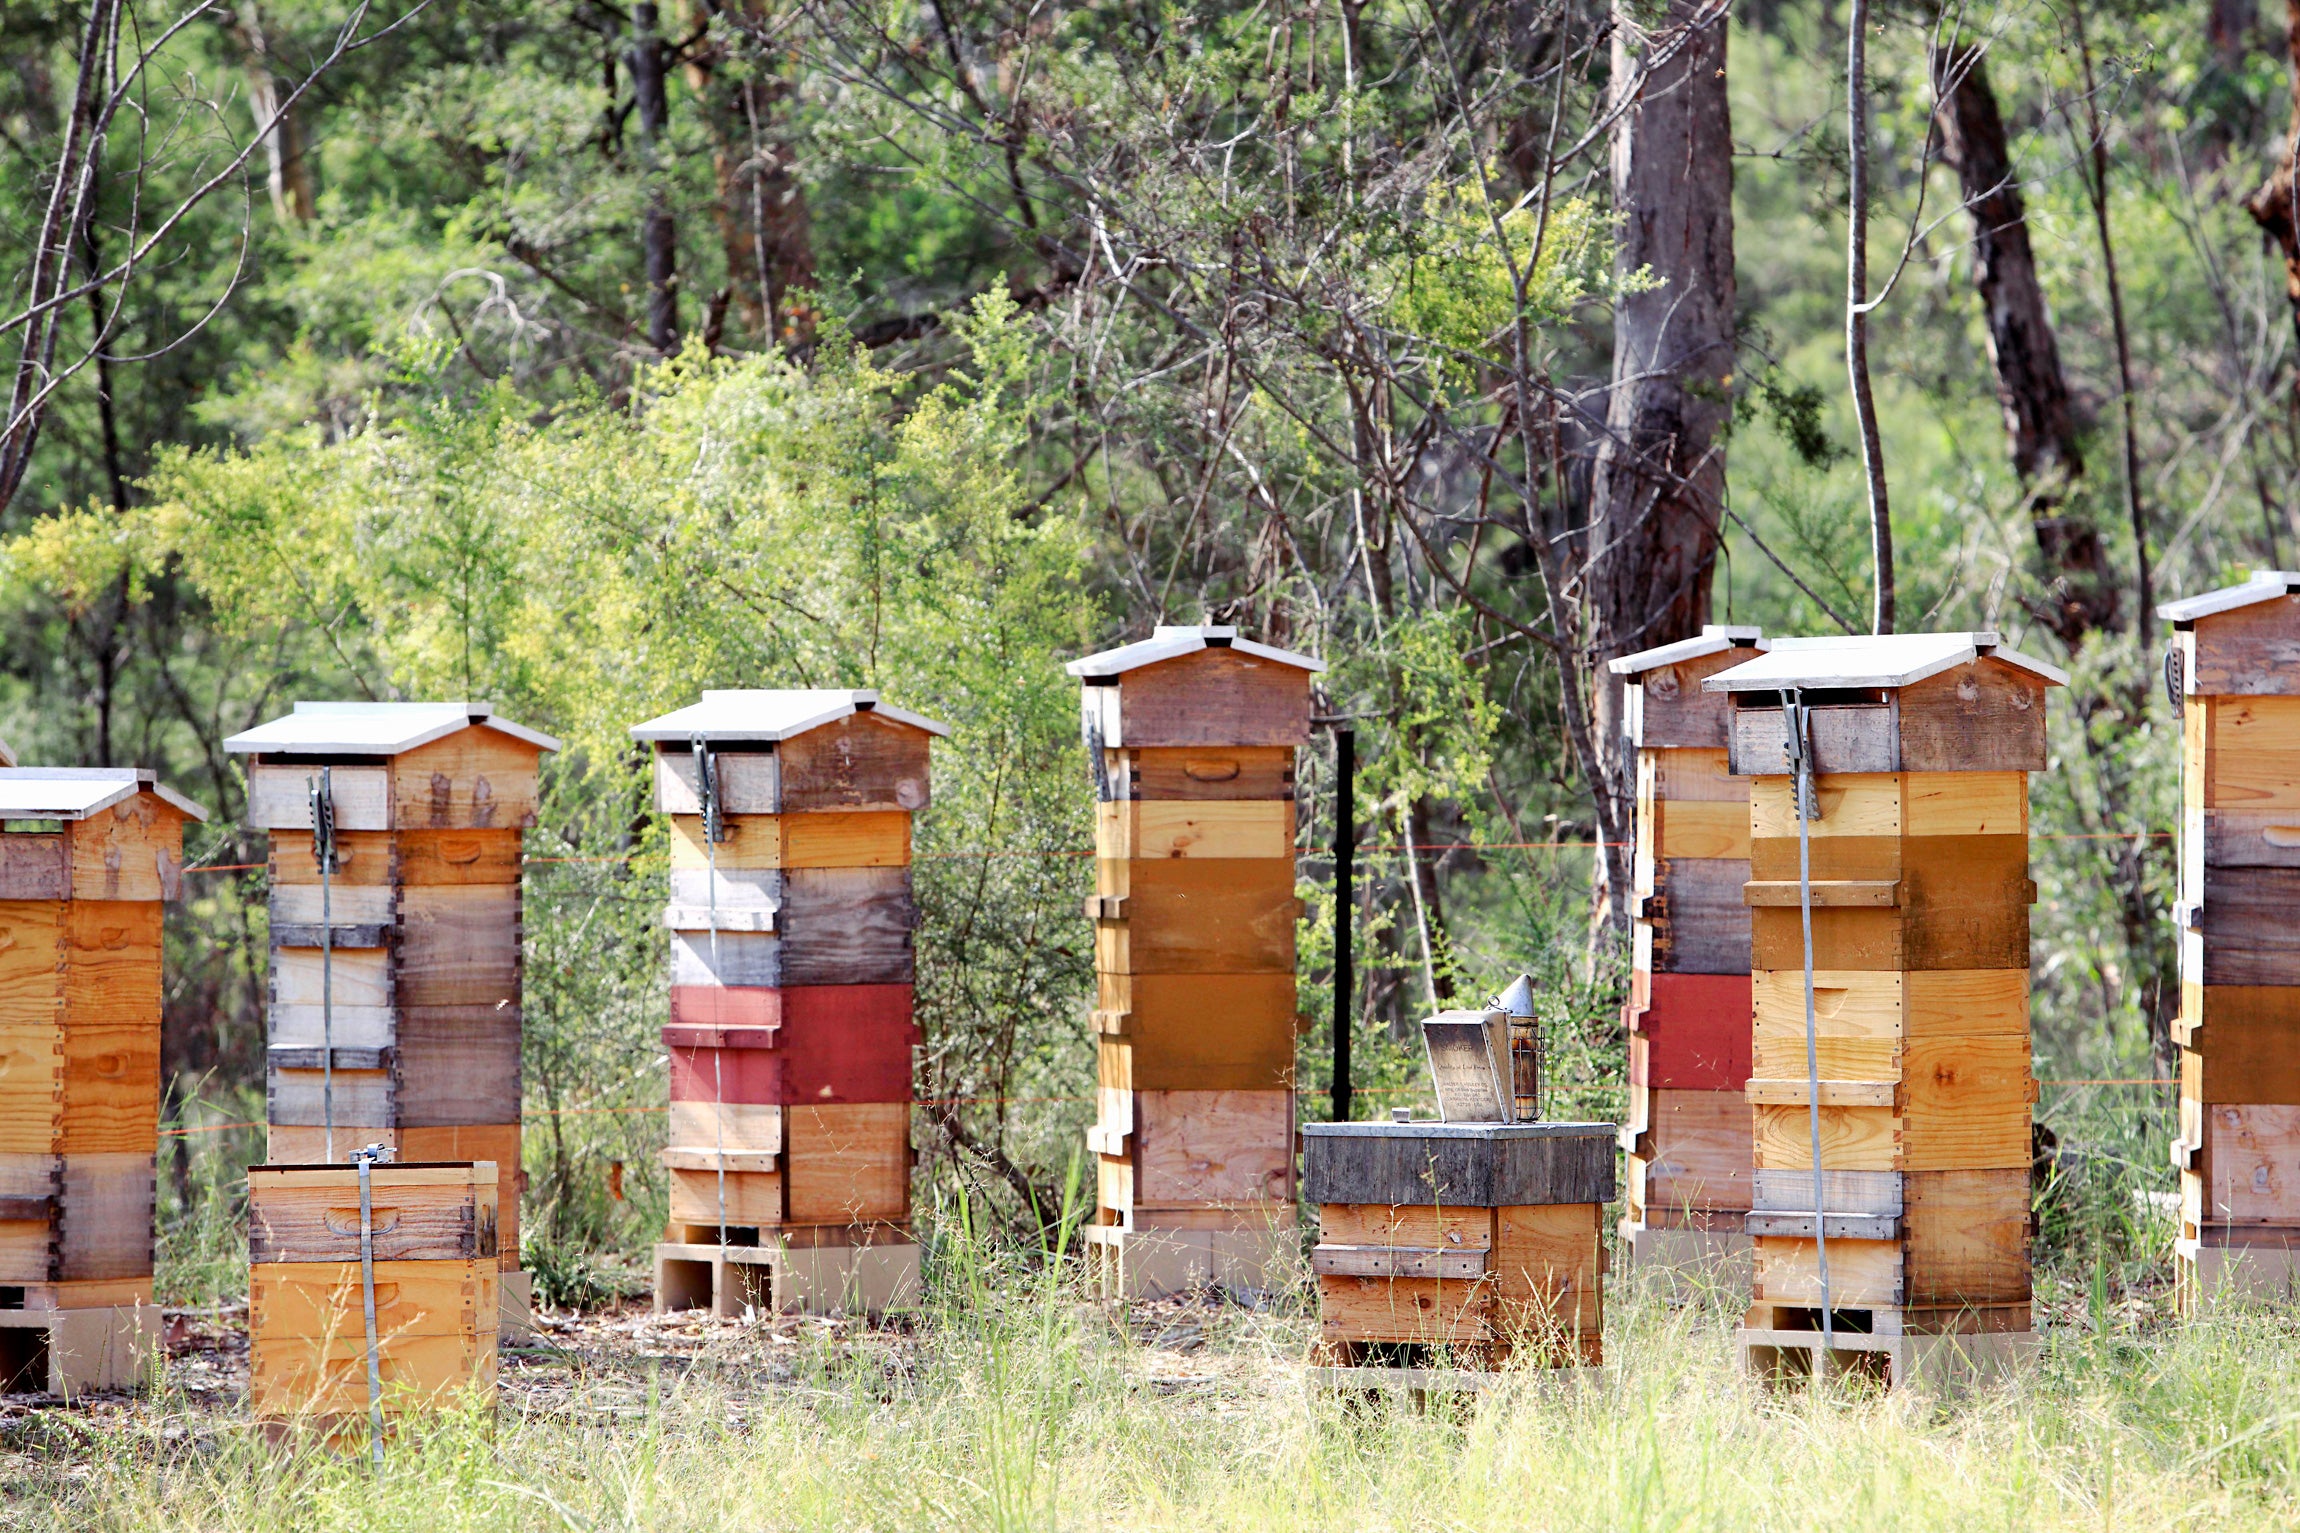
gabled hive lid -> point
(768, 714)
(1870, 661)
(2264, 586)
(1169, 643)
(375, 729)
(75, 793)
(1714, 638)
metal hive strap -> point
(1798, 724)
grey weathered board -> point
(1471, 1165)
(458, 1065)
(459, 945)
(1700, 920)
(736, 889)
(1983, 717)
(32, 866)
(335, 935)
(104, 1217)
(2251, 925)
(847, 926)
(728, 958)
(368, 1098)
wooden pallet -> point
(1941, 1348)
(1240, 1254)
(774, 1276)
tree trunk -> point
(1660, 476)
(2271, 206)
(290, 176)
(764, 225)
(1882, 613)
(2031, 387)
(658, 236)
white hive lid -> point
(75, 793)
(2265, 585)
(375, 729)
(767, 714)
(1865, 661)
(1167, 643)
(1714, 638)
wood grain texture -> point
(1951, 936)
(342, 905)
(2242, 1043)
(360, 977)
(104, 1216)
(1701, 828)
(1704, 776)
(1413, 1225)
(753, 1197)
(2249, 650)
(1201, 774)
(459, 1064)
(1965, 1103)
(1846, 739)
(752, 842)
(1161, 828)
(734, 1126)
(751, 1007)
(112, 962)
(366, 1101)
(1674, 712)
(111, 1088)
(736, 890)
(1203, 916)
(474, 779)
(2254, 760)
(1214, 697)
(1966, 1234)
(1432, 1311)
(733, 959)
(848, 1163)
(2244, 1166)
(1694, 1153)
(418, 1213)
(131, 851)
(32, 866)
(347, 1027)
(749, 781)
(1865, 804)
(279, 797)
(1206, 1059)
(1200, 1147)
(1155, 1007)
(860, 762)
(322, 1379)
(31, 1088)
(1862, 1273)
(1409, 1166)
(423, 857)
(1546, 1250)
(1852, 1139)
(31, 962)
(1964, 804)
(288, 1300)
(1985, 716)
(848, 926)
(364, 859)
(1697, 921)
(459, 945)
(2236, 838)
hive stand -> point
(1461, 1245)
(420, 982)
(87, 858)
(437, 1300)
(791, 985)
(1922, 745)
(1688, 1134)
(2239, 1022)
(1191, 737)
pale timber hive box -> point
(1190, 736)
(88, 858)
(2237, 657)
(791, 918)
(1688, 1131)
(437, 1273)
(396, 969)
(1920, 889)
(1468, 1243)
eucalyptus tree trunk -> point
(1659, 485)
(2040, 420)
(764, 224)
(658, 234)
(2272, 206)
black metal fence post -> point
(1345, 906)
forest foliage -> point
(577, 355)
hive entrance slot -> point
(1851, 1322)
(11, 1297)
(23, 1359)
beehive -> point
(791, 984)
(1468, 1243)
(402, 967)
(2239, 1022)
(437, 1300)
(1922, 745)
(87, 859)
(1688, 1131)
(1191, 735)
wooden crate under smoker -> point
(437, 1285)
(1475, 1243)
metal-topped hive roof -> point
(375, 729)
(76, 793)
(2265, 585)
(1167, 643)
(766, 714)
(1862, 661)
(1714, 638)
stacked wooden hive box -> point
(2238, 1147)
(791, 919)
(1191, 736)
(87, 859)
(1475, 1241)
(396, 969)
(1688, 1129)
(1921, 747)
(436, 1278)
